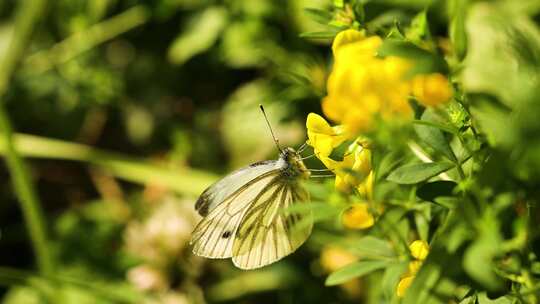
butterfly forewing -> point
(222, 189)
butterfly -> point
(245, 214)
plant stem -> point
(186, 181)
(25, 20)
(85, 40)
(26, 194)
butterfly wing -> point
(222, 189)
(268, 232)
(224, 205)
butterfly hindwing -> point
(268, 231)
(214, 235)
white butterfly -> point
(246, 217)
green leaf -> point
(437, 125)
(415, 173)
(420, 290)
(422, 225)
(433, 136)
(458, 36)
(319, 34)
(200, 34)
(430, 191)
(318, 15)
(388, 162)
(371, 247)
(418, 32)
(354, 270)
(391, 277)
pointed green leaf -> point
(318, 15)
(319, 34)
(354, 270)
(371, 247)
(391, 277)
(434, 137)
(415, 173)
(458, 35)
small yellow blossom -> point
(358, 217)
(403, 285)
(419, 250)
(414, 266)
(432, 89)
(333, 258)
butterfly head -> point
(295, 166)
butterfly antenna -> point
(276, 141)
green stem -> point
(28, 199)
(460, 170)
(185, 181)
(86, 40)
(25, 20)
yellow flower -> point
(419, 250)
(366, 187)
(358, 217)
(363, 87)
(333, 258)
(403, 285)
(354, 170)
(432, 89)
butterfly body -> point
(245, 213)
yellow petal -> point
(432, 89)
(346, 37)
(321, 136)
(316, 123)
(414, 266)
(358, 217)
(419, 249)
(366, 187)
(404, 285)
